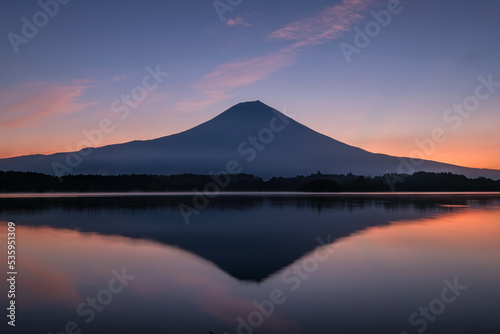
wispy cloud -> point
(238, 21)
(216, 86)
(237, 74)
(118, 77)
(328, 25)
(28, 103)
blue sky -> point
(288, 54)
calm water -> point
(255, 264)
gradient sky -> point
(396, 90)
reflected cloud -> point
(63, 267)
(286, 224)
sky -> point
(417, 78)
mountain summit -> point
(250, 137)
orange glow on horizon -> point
(471, 157)
(68, 256)
(453, 233)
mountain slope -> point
(252, 136)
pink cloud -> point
(330, 24)
(216, 298)
(238, 21)
(117, 77)
(27, 104)
(216, 86)
(243, 73)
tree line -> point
(12, 182)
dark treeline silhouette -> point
(11, 182)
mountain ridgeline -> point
(249, 138)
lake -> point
(254, 263)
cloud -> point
(237, 74)
(117, 77)
(216, 86)
(238, 21)
(27, 104)
(330, 24)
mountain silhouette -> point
(249, 137)
(251, 238)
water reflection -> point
(385, 259)
(249, 237)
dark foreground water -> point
(254, 264)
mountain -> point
(249, 137)
(251, 238)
